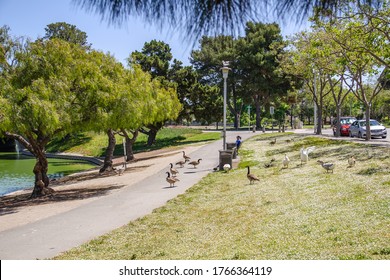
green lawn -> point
(94, 144)
(297, 213)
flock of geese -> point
(173, 172)
(304, 156)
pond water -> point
(16, 171)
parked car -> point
(358, 128)
(345, 123)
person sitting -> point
(238, 143)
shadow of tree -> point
(11, 204)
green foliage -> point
(66, 32)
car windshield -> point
(347, 121)
(372, 123)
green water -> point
(16, 171)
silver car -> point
(358, 128)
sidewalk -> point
(138, 192)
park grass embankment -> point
(297, 213)
(94, 144)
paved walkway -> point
(50, 236)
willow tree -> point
(155, 59)
(50, 92)
(143, 102)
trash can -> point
(225, 157)
(231, 146)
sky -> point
(29, 18)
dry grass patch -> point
(297, 213)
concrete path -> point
(49, 237)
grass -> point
(297, 213)
(94, 144)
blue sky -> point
(30, 17)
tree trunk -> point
(129, 142)
(338, 124)
(258, 112)
(152, 133)
(368, 126)
(107, 165)
(41, 185)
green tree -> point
(201, 101)
(258, 62)
(364, 71)
(155, 58)
(66, 32)
(207, 61)
(51, 91)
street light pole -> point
(225, 71)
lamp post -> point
(225, 71)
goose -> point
(305, 154)
(326, 165)
(286, 161)
(173, 170)
(251, 177)
(273, 142)
(181, 163)
(171, 180)
(195, 162)
(186, 158)
(351, 161)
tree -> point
(204, 17)
(50, 91)
(365, 71)
(201, 101)
(303, 60)
(66, 32)
(258, 54)
(207, 61)
(155, 59)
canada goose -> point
(251, 177)
(286, 161)
(305, 154)
(326, 165)
(273, 142)
(186, 158)
(171, 180)
(181, 163)
(195, 162)
(173, 170)
(351, 161)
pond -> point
(16, 171)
